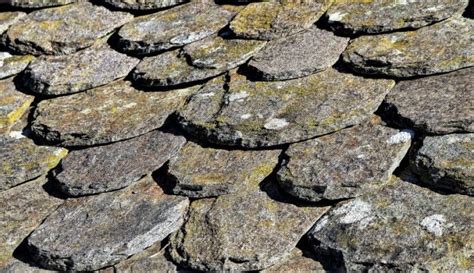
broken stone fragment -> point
(162, 30)
(85, 69)
(13, 104)
(447, 162)
(38, 3)
(382, 16)
(344, 164)
(105, 114)
(144, 4)
(117, 165)
(63, 30)
(271, 20)
(440, 104)
(298, 55)
(402, 227)
(9, 18)
(23, 209)
(297, 263)
(439, 48)
(261, 114)
(11, 65)
(205, 172)
(77, 236)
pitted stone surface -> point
(259, 114)
(63, 30)
(172, 28)
(401, 227)
(438, 48)
(447, 162)
(83, 70)
(13, 104)
(206, 172)
(297, 263)
(9, 18)
(144, 4)
(388, 15)
(38, 3)
(344, 164)
(13, 64)
(299, 55)
(439, 104)
(113, 226)
(105, 114)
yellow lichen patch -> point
(255, 17)
(13, 104)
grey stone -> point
(447, 162)
(205, 172)
(298, 55)
(9, 18)
(438, 48)
(105, 114)
(344, 164)
(115, 166)
(18, 266)
(89, 233)
(402, 227)
(13, 104)
(297, 263)
(38, 3)
(11, 65)
(439, 104)
(144, 4)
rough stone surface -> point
(11, 64)
(23, 209)
(206, 172)
(439, 48)
(9, 18)
(38, 3)
(388, 15)
(85, 69)
(271, 20)
(344, 164)
(144, 4)
(22, 160)
(13, 104)
(298, 55)
(104, 114)
(297, 263)
(241, 232)
(115, 166)
(161, 31)
(447, 162)
(113, 226)
(18, 266)
(401, 227)
(63, 30)
(257, 114)
(436, 105)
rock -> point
(139, 216)
(11, 65)
(241, 232)
(382, 16)
(344, 164)
(22, 160)
(439, 48)
(401, 227)
(63, 30)
(23, 209)
(271, 20)
(435, 105)
(13, 104)
(447, 162)
(162, 31)
(297, 263)
(115, 166)
(18, 266)
(85, 69)
(206, 172)
(104, 114)
(38, 3)
(144, 4)
(298, 55)
(9, 18)
(261, 114)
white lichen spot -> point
(435, 224)
(58, 152)
(86, 111)
(336, 16)
(130, 105)
(207, 95)
(246, 116)
(276, 124)
(4, 56)
(355, 211)
(237, 96)
(16, 134)
(360, 156)
(401, 137)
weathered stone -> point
(297, 263)
(271, 20)
(144, 4)
(402, 227)
(117, 165)
(18, 266)
(162, 30)
(23, 209)
(11, 65)
(13, 104)
(105, 114)
(9, 18)
(63, 30)
(85, 69)
(22, 160)
(439, 104)
(439, 48)
(298, 55)
(388, 15)
(206, 172)
(38, 3)
(241, 232)
(257, 114)
(447, 162)
(344, 164)
(113, 226)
